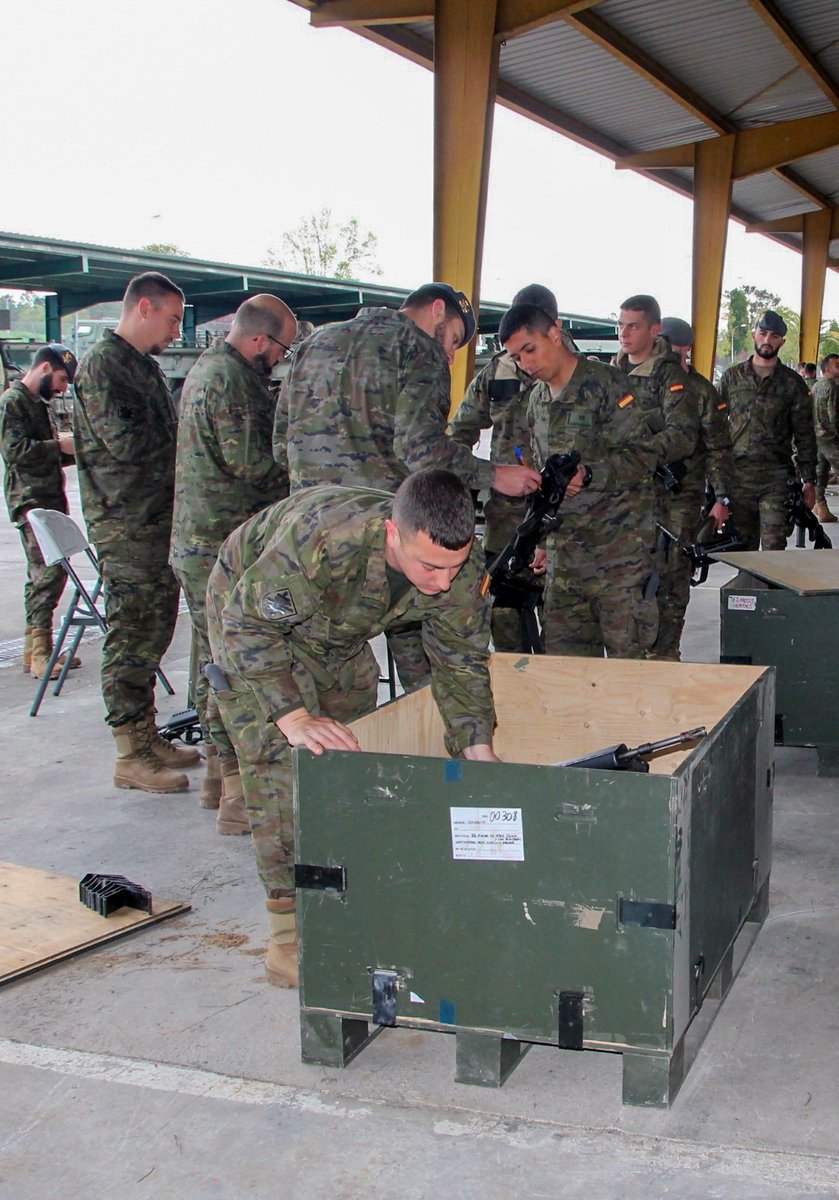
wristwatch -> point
(725, 501)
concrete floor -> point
(165, 1066)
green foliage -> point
(166, 248)
(317, 246)
(27, 314)
(741, 308)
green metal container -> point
(522, 902)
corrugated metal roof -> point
(822, 171)
(768, 197)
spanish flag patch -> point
(677, 387)
(722, 407)
(626, 400)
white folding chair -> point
(59, 538)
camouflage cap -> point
(677, 331)
(538, 297)
(771, 322)
(460, 301)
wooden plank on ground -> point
(42, 920)
(807, 572)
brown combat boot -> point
(169, 754)
(823, 513)
(211, 783)
(137, 765)
(26, 662)
(41, 649)
(232, 817)
(281, 959)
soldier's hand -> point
(808, 491)
(65, 444)
(480, 754)
(578, 482)
(720, 513)
(317, 734)
(516, 481)
(540, 561)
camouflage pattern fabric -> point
(31, 453)
(600, 588)
(767, 418)
(124, 426)
(296, 595)
(497, 398)
(224, 473)
(365, 403)
(44, 585)
(826, 420)
(124, 432)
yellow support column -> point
(813, 269)
(465, 73)
(711, 204)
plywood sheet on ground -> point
(807, 572)
(43, 921)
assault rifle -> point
(700, 554)
(541, 518)
(621, 758)
(671, 475)
(183, 725)
(805, 520)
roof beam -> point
(211, 287)
(44, 268)
(785, 33)
(370, 12)
(515, 17)
(755, 150)
(792, 224)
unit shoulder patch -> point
(276, 605)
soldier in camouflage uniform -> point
(825, 396)
(367, 401)
(711, 463)
(34, 452)
(296, 595)
(672, 412)
(124, 430)
(769, 412)
(224, 473)
(599, 595)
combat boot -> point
(281, 959)
(41, 649)
(169, 754)
(823, 513)
(26, 663)
(211, 783)
(232, 817)
(137, 765)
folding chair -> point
(59, 538)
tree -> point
(166, 248)
(317, 246)
(741, 309)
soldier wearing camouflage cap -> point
(224, 473)
(125, 425)
(296, 595)
(366, 402)
(34, 452)
(770, 415)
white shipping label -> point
(487, 834)
(743, 603)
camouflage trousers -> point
(823, 469)
(265, 760)
(760, 511)
(587, 617)
(44, 584)
(141, 608)
(193, 581)
(682, 516)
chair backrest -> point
(57, 534)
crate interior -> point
(552, 708)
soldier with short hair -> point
(600, 591)
(770, 414)
(825, 395)
(224, 473)
(124, 431)
(34, 452)
(292, 602)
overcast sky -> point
(217, 126)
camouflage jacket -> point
(497, 398)
(303, 585)
(125, 427)
(826, 417)
(766, 417)
(712, 459)
(598, 414)
(365, 403)
(30, 449)
(670, 406)
(225, 471)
